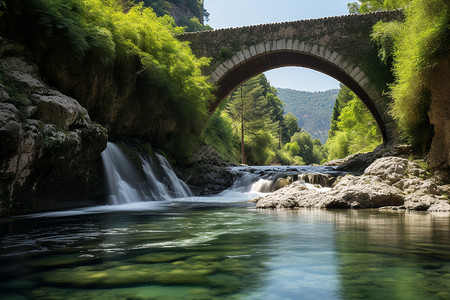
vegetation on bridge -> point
(412, 49)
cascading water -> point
(126, 185)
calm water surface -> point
(208, 249)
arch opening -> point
(257, 64)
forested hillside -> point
(313, 109)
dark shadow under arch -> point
(277, 59)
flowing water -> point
(220, 247)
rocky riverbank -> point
(389, 182)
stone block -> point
(214, 77)
(229, 64)
(252, 51)
(219, 72)
(322, 51)
(223, 68)
(281, 44)
(268, 46)
(307, 48)
(327, 54)
(360, 76)
(289, 44)
(260, 48)
(355, 72)
(363, 82)
(315, 49)
(236, 59)
(333, 56)
(349, 69)
(274, 46)
(338, 60)
(295, 45)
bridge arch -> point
(265, 56)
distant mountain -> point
(313, 109)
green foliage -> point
(292, 148)
(423, 42)
(162, 7)
(338, 145)
(311, 151)
(285, 158)
(219, 134)
(251, 114)
(363, 6)
(260, 147)
(355, 129)
(415, 47)
(344, 96)
(291, 127)
(384, 34)
(193, 24)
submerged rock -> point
(388, 182)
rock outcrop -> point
(49, 147)
(206, 172)
(358, 162)
(388, 182)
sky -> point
(237, 13)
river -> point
(221, 247)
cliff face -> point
(179, 10)
(49, 147)
(439, 113)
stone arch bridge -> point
(340, 47)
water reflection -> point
(393, 255)
(227, 252)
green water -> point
(225, 251)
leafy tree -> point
(338, 146)
(251, 114)
(355, 130)
(344, 96)
(311, 151)
(291, 127)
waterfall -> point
(262, 186)
(179, 188)
(126, 184)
